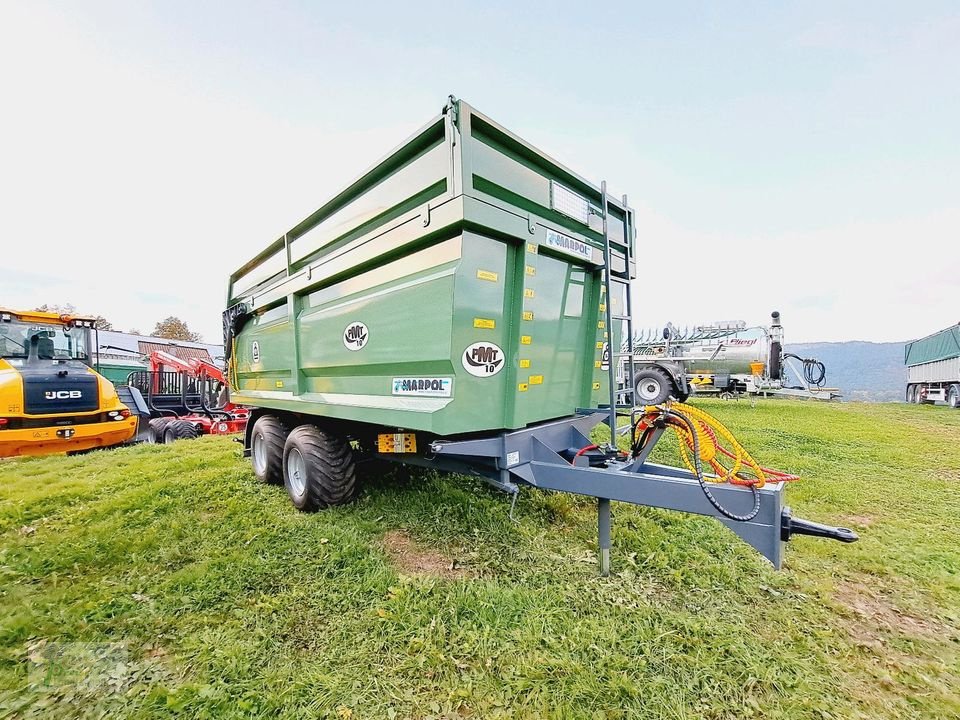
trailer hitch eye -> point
(790, 526)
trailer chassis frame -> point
(544, 456)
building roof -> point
(184, 353)
(124, 345)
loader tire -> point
(318, 469)
(180, 430)
(653, 386)
(155, 430)
(266, 449)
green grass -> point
(177, 586)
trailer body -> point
(454, 287)
(933, 368)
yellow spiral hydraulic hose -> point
(709, 433)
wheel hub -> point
(296, 471)
(259, 454)
(648, 389)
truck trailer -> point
(455, 308)
(933, 368)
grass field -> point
(164, 581)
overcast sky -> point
(803, 157)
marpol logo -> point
(482, 359)
(255, 351)
(62, 394)
(355, 336)
(605, 357)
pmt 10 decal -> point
(255, 351)
(424, 386)
(483, 359)
(355, 336)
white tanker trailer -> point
(724, 358)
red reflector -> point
(124, 413)
(3, 421)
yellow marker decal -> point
(531, 270)
(531, 248)
(527, 315)
(524, 363)
(603, 307)
(522, 387)
(484, 323)
(600, 345)
(279, 383)
(536, 379)
(597, 364)
(525, 339)
(603, 289)
(602, 324)
(596, 386)
(528, 293)
(487, 275)
(605, 336)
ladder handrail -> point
(609, 277)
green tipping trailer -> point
(455, 307)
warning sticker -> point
(423, 386)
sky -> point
(801, 157)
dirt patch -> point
(858, 520)
(876, 615)
(412, 559)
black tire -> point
(266, 449)
(953, 397)
(155, 430)
(910, 390)
(653, 386)
(318, 469)
(180, 430)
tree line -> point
(171, 328)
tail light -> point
(3, 422)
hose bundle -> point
(814, 371)
(702, 440)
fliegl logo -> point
(355, 336)
(62, 394)
(483, 359)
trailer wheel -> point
(953, 397)
(318, 469)
(910, 391)
(266, 449)
(180, 430)
(155, 430)
(653, 386)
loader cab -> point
(29, 343)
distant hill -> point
(864, 371)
